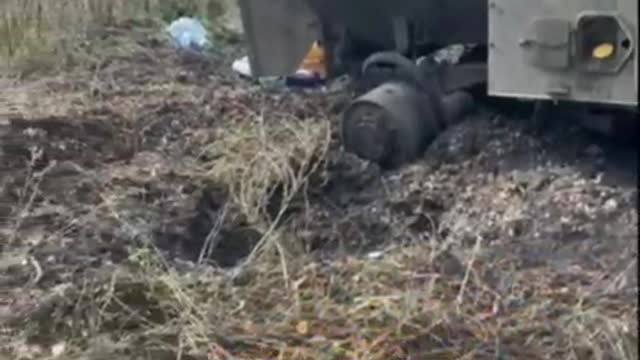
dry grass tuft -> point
(265, 166)
(255, 159)
(397, 307)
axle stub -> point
(386, 66)
(427, 75)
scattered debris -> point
(311, 74)
(189, 34)
(610, 205)
(242, 67)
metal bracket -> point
(400, 33)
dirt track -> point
(102, 164)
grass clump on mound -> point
(266, 166)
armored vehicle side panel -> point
(576, 50)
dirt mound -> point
(126, 210)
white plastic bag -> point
(188, 33)
(242, 66)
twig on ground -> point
(212, 240)
(39, 273)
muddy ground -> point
(530, 237)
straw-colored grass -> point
(44, 34)
(259, 161)
(398, 307)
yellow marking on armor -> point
(603, 51)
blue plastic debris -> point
(188, 34)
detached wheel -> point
(387, 125)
